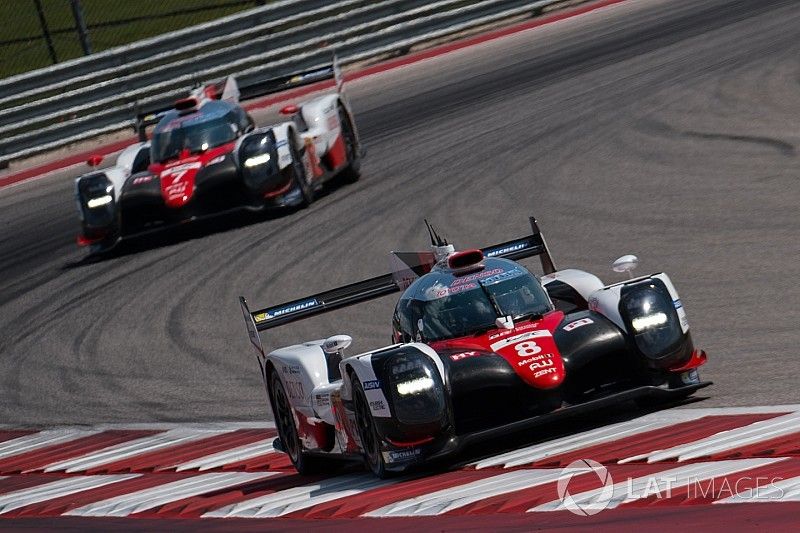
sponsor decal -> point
(322, 400)
(536, 359)
(508, 274)
(291, 369)
(402, 455)
(143, 179)
(267, 315)
(474, 277)
(463, 355)
(281, 143)
(524, 351)
(578, 323)
(507, 332)
(295, 390)
(506, 249)
(540, 373)
(441, 292)
(690, 377)
(373, 384)
(677, 303)
(377, 405)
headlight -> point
(654, 323)
(256, 160)
(650, 321)
(97, 202)
(414, 386)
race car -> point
(206, 157)
(481, 348)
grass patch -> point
(110, 23)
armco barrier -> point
(82, 98)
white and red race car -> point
(206, 156)
(482, 348)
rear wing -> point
(407, 266)
(150, 114)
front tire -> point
(368, 433)
(287, 430)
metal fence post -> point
(80, 26)
(46, 31)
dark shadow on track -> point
(198, 229)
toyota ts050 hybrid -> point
(482, 347)
(206, 156)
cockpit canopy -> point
(214, 124)
(442, 305)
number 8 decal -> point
(527, 348)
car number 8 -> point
(527, 348)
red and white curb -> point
(679, 457)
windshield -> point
(515, 292)
(195, 136)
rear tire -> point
(287, 430)
(367, 433)
(352, 172)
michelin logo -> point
(263, 317)
(506, 250)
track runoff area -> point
(738, 463)
(712, 468)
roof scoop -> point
(441, 249)
(465, 260)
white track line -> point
(143, 500)
(295, 499)
(42, 439)
(537, 452)
(725, 440)
(657, 483)
(233, 455)
(442, 501)
(131, 449)
(56, 489)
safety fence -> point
(102, 92)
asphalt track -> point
(662, 128)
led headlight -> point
(256, 160)
(641, 323)
(653, 321)
(414, 386)
(95, 194)
(97, 202)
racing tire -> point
(352, 172)
(299, 177)
(368, 433)
(287, 430)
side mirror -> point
(94, 160)
(336, 344)
(626, 263)
(289, 110)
